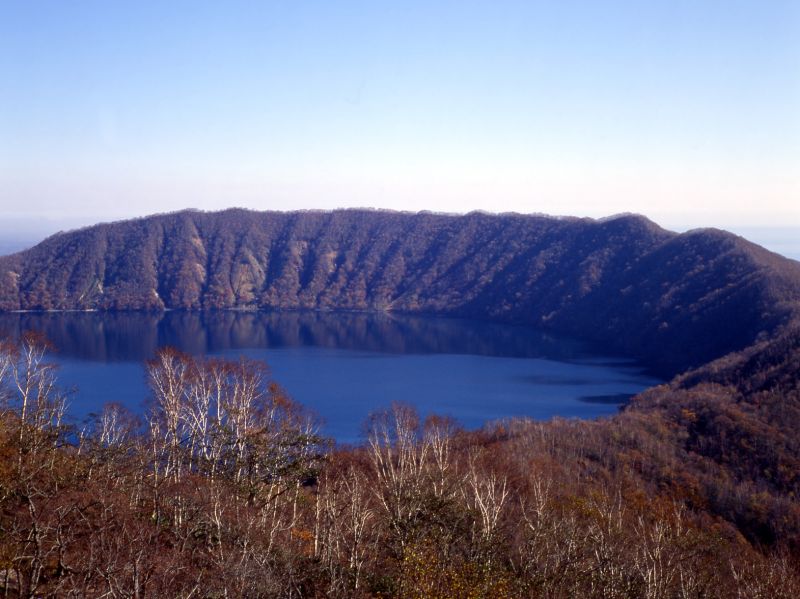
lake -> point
(343, 366)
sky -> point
(685, 111)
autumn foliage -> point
(226, 489)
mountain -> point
(691, 490)
(674, 301)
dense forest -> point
(225, 487)
(664, 298)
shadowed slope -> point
(674, 301)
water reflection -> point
(134, 336)
(345, 365)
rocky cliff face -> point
(672, 300)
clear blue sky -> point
(687, 111)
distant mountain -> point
(674, 301)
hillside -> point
(224, 488)
(690, 491)
(674, 301)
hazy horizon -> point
(686, 112)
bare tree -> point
(399, 458)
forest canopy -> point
(225, 487)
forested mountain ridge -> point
(225, 487)
(674, 301)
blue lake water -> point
(343, 366)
